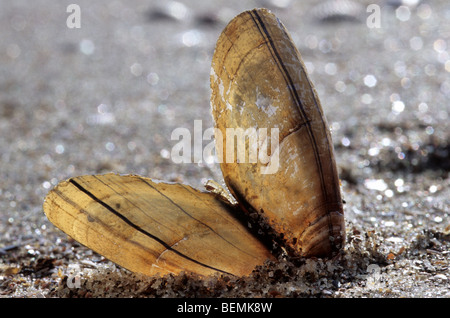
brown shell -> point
(258, 80)
(154, 228)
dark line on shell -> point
(77, 206)
(265, 33)
(184, 211)
(276, 56)
(131, 202)
(138, 228)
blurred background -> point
(106, 97)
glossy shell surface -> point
(258, 80)
(154, 227)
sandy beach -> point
(105, 97)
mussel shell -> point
(154, 228)
(259, 80)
